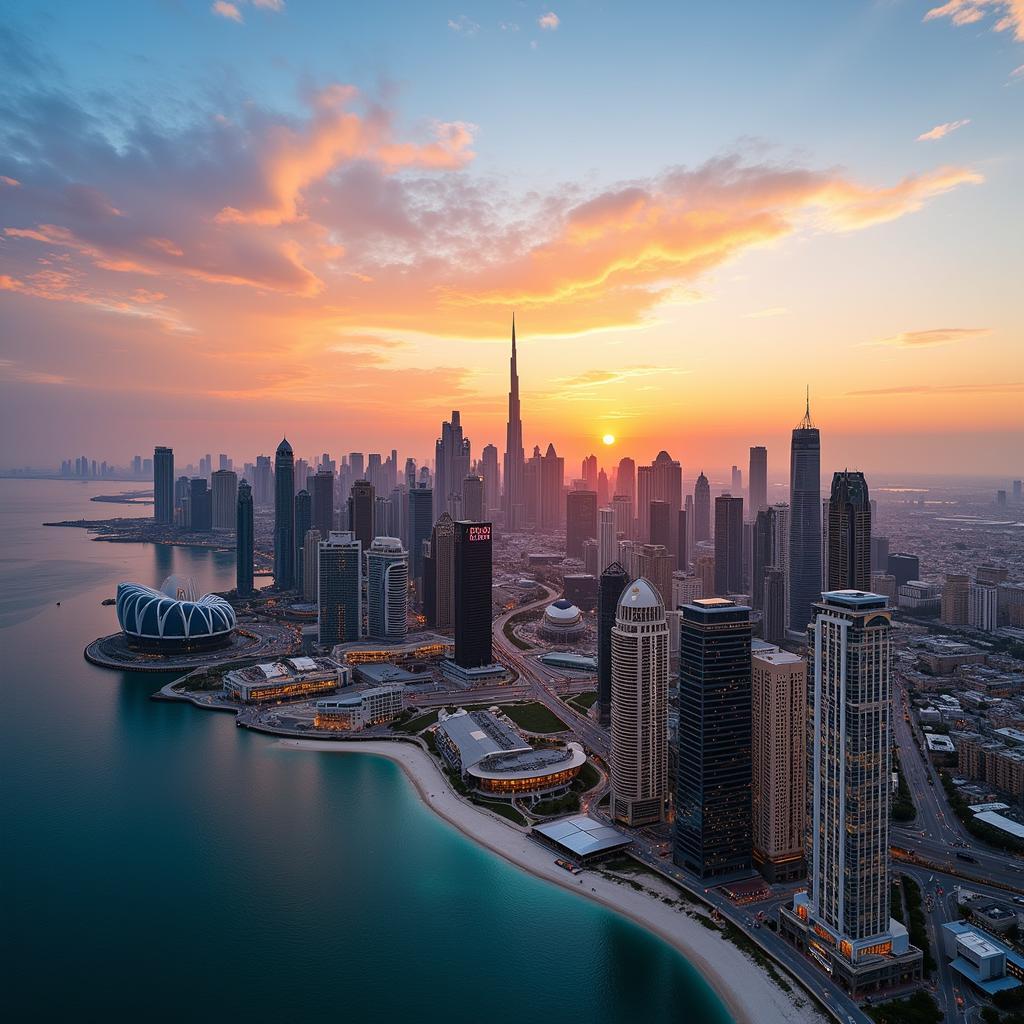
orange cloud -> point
(940, 131)
(1009, 14)
(549, 21)
(223, 9)
(290, 160)
(936, 336)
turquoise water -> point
(157, 863)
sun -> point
(608, 439)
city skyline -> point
(313, 224)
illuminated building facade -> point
(472, 594)
(339, 588)
(355, 712)
(291, 679)
(842, 920)
(639, 701)
(387, 589)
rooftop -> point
(478, 734)
(582, 835)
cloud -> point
(1017, 72)
(270, 5)
(760, 314)
(463, 25)
(936, 336)
(940, 389)
(549, 21)
(223, 9)
(9, 182)
(1008, 14)
(940, 131)
(12, 371)
(599, 378)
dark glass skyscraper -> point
(303, 524)
(361, 507)
(762, 555)
(610, 587)
(659, 526)
(163, 485)
(284, 516)
(804, 522)
(200, 506)
(472, 594)
(580, 521)
(701, 510)
(728, 545)
(244, 540)
(713, 777)
(849, 533)
(421, 505)
(323, 502)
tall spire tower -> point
(513, 495)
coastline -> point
(744, 988)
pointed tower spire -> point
(807, 423)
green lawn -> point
(588, 777)
(565, 804)
(418, 724)
(583, 701)
(505, 810)
(534, 717)
(919, 1008)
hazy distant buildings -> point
(757, 479)
(472, 595)
(163, 485)
(612, 582)
(701, 510)
(340, 587)
(580, 521)
(225, 498)
(804, 522)
(639, 699)
(387, 589)
(284, 516)
(728, 545)
(779, 796)
(607, 544)
(451, 466)
(244, 540)
(849, 533)
(713, 776)
(311, 565)
(552, 484)
(439, 575)
(200, 506)
(303, 524)
(654, 562)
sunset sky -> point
(224, 223)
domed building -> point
(563, 623)
(174, 618)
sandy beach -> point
(743, 986)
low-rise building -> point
(980, 958)
(289, 679)
(356, 711)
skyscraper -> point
(625, 480)
(263, 483)
(639, 732)
(492, 479)
(323, 501)
(244, 540)
(513, 500)
(757, 479)
(163, 485)
(763, 555)
(849, 533)
(658, 526)
(311, 566)
(773, 617)
(655, 563)
(728, 545)
(713, 823)
(200, 506)
(552, 484)
(580, 521)
(588, 473)
(387, 589)
(779, 795)
(955, 599)
(451, 466)
(804, 522)
(419, 525)
(737, 480)
(622, 505)
(284, 516)
(904, 567)
(845, 910)
(701, 510)
(439, 575)
(610, 586)
(340, 589)
(225, 498)
(473, 498)
(683, 538)
(303, 524)
(362, 508)
(472, 594)
(607, 545)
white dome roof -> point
(640, 594)
(562, 612)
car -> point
(1019, 899)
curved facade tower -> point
(849, 533)
(639, 776)
(513, 500)
(804, 522)
(387, 573)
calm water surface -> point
(158, 863)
